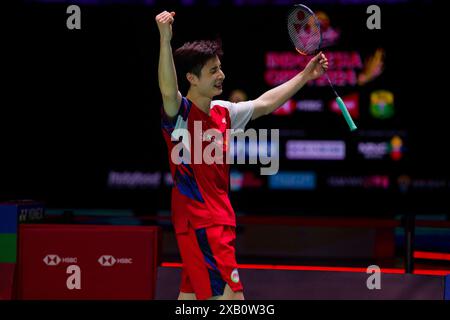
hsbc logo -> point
(109, 261)
(52, 260)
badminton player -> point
(203, 218)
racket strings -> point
(304, 31)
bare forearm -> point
(275, 97)
(166, 70)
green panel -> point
(8, 247)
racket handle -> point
(347, 115)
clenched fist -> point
(164, 20)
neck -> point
(203, 103)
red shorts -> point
(209, 261)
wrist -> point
(305, 76)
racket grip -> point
(347, 115)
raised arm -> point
(167, 76)
(274, 98)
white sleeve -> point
(240, 113)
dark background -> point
(80, 103)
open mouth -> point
(218, 86)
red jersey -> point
(200, 190)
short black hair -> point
(192, 56)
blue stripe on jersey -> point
(215, 279)
(183, 112)
(185, 108)
(186, 184)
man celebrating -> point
(203, 217)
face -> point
(211, 78)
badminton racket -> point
(304, 32)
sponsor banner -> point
(107, 260)
(310, 105)
(351, 102)
(248, 179)
(293, 180)
(393, 149)
(87, 262)
(382, 104)
(373, 150)
(290, 106)
(284, 65)
(134, 180)
(54, 260)
(363, 182)
(286, 108)
(315, 150)
(407, 183)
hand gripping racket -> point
(304, 31)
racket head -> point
(304, 29)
